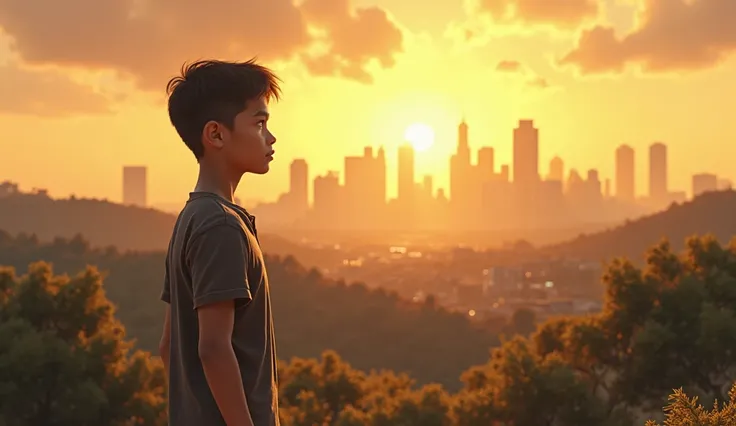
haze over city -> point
(70, 104)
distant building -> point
(135, 185)
(704, 182)
(625, 172)
(299, 185)
(556, 169)
(658, 189)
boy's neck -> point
(218, 181)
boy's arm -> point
(218, 261)
(164, 346)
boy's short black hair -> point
(215, 91)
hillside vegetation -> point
(369, 328)
(669, 325)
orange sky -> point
(82, 84)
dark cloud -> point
(509, 66)
(150, 39)
(353, 38)
(46, 93)
(672, 35)
(518, 70)
(562, 14)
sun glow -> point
(420, 135)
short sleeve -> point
(166, 292)
(218, 262)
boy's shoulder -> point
(204, 211)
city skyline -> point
(481, 191)
(82, 110)
(625, 171)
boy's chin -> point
(262, 170)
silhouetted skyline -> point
(481, 196)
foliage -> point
(63, 357)
(670, 324)
(311, 312)
(684, 411)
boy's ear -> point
(212, 134)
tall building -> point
(704, 182)
(658, 171)
(135, 186)
(428, 185)
(463, 146)
(625, 173)
(327, 195)
(526, 155)
(486, 169)
(460, 168)
(556, 169)
(299, 185)
(406, 174)
(364, 192)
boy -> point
(218, 341)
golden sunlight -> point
(420, 135)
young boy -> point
(218, 339)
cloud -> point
(508, 66)
(149, 40)
(354, 39)
(516, 68)
(565, 14)
(672, 35)
(46, 93)
(538, 82)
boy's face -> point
(248, 147)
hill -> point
(710, 213)
(371, 329)
(104, 224)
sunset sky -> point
(82, 83)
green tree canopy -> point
(685, 411)
(63, 357)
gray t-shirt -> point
(214, 256)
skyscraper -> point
(556, 169)
(526, 155)
(485, 163)
(327, 195)
(406, 174)
(299, 185)
(658, 171)
(135, 191)
(625, 173)
(364, 191)
(704, 182)
(460, 168)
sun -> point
(420, 135)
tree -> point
(669, 324)
(684, 411)
(518, 387)
(64, 359)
